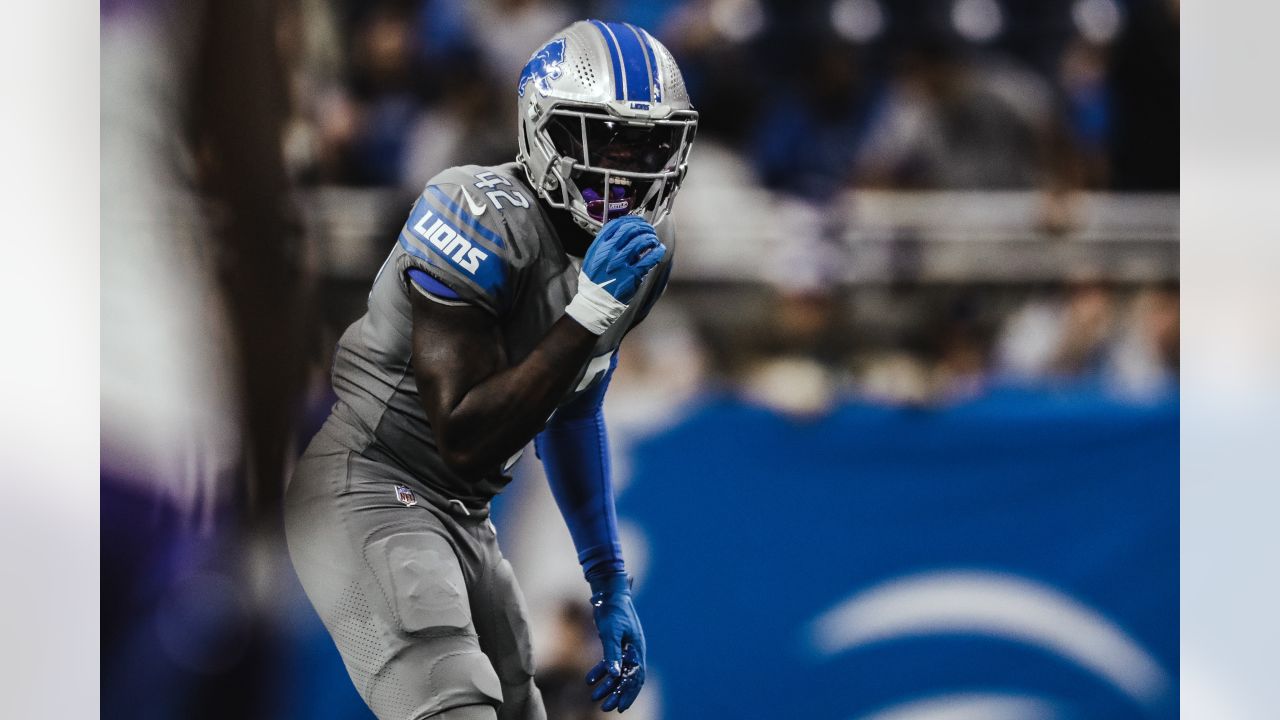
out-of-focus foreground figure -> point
(203, 323)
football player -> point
(495, 320)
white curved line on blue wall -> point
(971, 706)
(996, 604)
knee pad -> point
(468, 712)
(463, 676)
(433, 675)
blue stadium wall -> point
(1013, 557)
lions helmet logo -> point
(543, 67)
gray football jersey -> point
(481, 232)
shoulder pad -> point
(495, 195)
(472, 228)
(459, 233)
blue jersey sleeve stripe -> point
(655, 74)
(465, 218)
(646, 59)
(634, 64)
(425, 281)
(488, 277)
(611, 42)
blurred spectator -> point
(952, 121)
(1143, 365)
(314, 54)
(798, 369)
(381, 57)
(444, 32)
(469, 125)
(1130, 345)
(508, 31)
(937, 359)
(718, 46)
(1083, 77)
(572, 651)
(1088, 320)
(806, 141)
(800, 347)
(960, 372)
(1059, 338)
(664, 350)
(895, 378)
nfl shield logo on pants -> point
(405, 495)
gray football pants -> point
(419, 599)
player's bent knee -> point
(464, 677)
(431, 676)
(468, 712)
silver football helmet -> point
(605, 123)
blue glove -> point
(620, 675)
(624, 251)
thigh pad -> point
(423, 583)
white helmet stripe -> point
(656, 73)
(630, 59)
(615, 54)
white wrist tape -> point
(593, 307)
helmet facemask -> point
(601, 166)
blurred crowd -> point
(807, 352)
(814, 97)
(803, 102)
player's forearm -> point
(499, 415)
(574, 448)
(575, 455)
